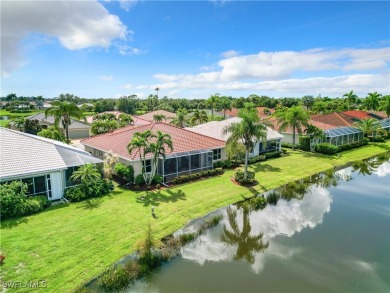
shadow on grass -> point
(12, 223)
(265, 168)
(90, 204)
(155, 197)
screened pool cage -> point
(185, 163)
(386, 124)
(339, 136)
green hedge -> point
(226, 164)
(304, 143)
(326, 148)
(352, 145)
(239, 175)
(289, 145)
(195, 176)
(275, 154)
(81, 191)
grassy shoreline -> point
(68, 245)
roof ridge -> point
(338, 114)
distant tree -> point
(103, 106)
(294, 117)
(128, 104)
(52, 133)
(181, 118)
(159, 117)
(213, 102)
(103, 126)
(308, 102)
(372, 101)
(63, 111)
(385, 105)
(225, 104)
(350, 98)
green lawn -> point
(14, 115)
(67, 245)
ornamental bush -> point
(139, 180)
(125, 171)
(289, 145)
(239, 175)
(275, 154)
(304, 143)
(195, 176)
(326, 148)
(84, 191)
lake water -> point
(330, 236)
(4, 117)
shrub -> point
(97, 189)
(239, 175)
(125, 171)
(194, 176)
(223, 164)
(284, 151)
(352, 145)
(275, 154)
(139, 180)
(15, 202)
(326, 148)
(187, 237)
(114, 279)
(304, 143)
(289, 145)
(157, 179)
(256, 159)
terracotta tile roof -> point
(320, 125)
(149, 116)
(335, 119)
(363, 114)
(381, 114)
(183, 140)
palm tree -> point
(161, 143)
(225, 104)
(87, 174)
(248, 131)
(19, 123)
(350, 98)
(157, 89)
(368, 126)
(64, 111)
(180, 119)
(308, 102)
(52, 133)
(103, 126)
(213, 102)
(385, 105)
(159, 117)
(294, 117)
(125, 119)
(198, 117)
(140, 142)
(372, 101)
(245, 242)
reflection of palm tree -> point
(366, 167)
(295, 190)
(246, 243)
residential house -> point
(215, 129)
(44, 164)
(192, 152)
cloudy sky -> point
(97, 49)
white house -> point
(44, 164)
(215, 129)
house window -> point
(148, 166)
(217, 154)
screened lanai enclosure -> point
(339, 136)
(185, 163)
(386, 124)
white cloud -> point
(128, 86)
(76, 24)
(128, 50)
(127, 4)
(383, 169)
(334, 72)
(229, 54)
(106, 77)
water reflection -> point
(372, 165)
(246, 243)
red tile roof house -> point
(192, 152)
(149, 116)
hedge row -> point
(328, 149)
(189, 177)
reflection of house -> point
(44, 164)
(191, 153)
(149, 116)
(215, 129)
(77, 129)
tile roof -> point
(363, 114)
(335, 119)
(50, 120)
(215, 129)
(320, 125)
(149, 116)
(23, 154)
(183, 140)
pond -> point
(4, 117)
(326, 233)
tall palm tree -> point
(350, 98)
(308, 102)
(87, 174)
(248, 131)
(368, 126)
(161, 142)
(139, 142)
(225, 104)
(64, 111)
(213, 102)
(372, 101)
(180, 119)
(294, 117)
(19, 122)
(198, 117)
(246, 243)
(385, 105)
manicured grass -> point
(14, 115)
(67, 245)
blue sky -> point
(192, 49)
